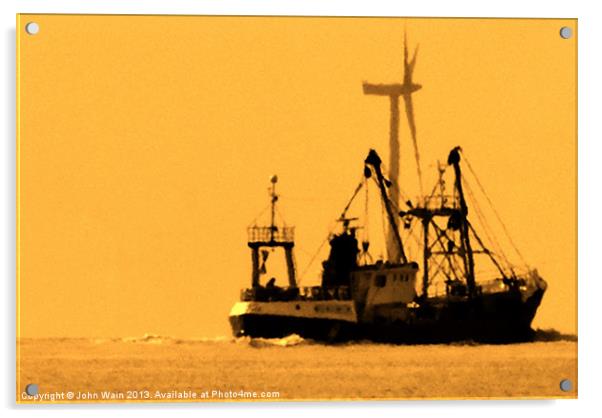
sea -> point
(154, 368)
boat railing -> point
(325, 293)
(491, 285)
(283, 294)
(271, 234)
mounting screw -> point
(566, 32)
(32, 28)
(566, 385)
(32, 389)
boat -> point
(392, 299)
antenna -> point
(274, 199)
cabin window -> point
(380, 281)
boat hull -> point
(493, 318)
(332, 320)
(272, 326)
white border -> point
(590, 39)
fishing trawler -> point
(388, 300)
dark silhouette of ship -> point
(388, 300)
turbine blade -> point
(413, 61)
(406, 66)
(409, 106)
(405, 50)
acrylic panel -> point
(231, 208)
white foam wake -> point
(288, 341)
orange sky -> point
(146, 144)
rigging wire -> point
(495, 211)
(327, 239)
(254, 221)
(495, 262)
(497, 246)
(395, 207)
(280, 214)
(313, 258)
(355, 192)
(438, 269)
(442, 234)
(486, 227)
(396, 187)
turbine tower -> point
(394, 92)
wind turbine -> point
(394, 91)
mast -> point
(457, 220)
(426, 218)
(271, 236)
(273, 200)
(374, 160)
(425, 255)
(467, 256)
